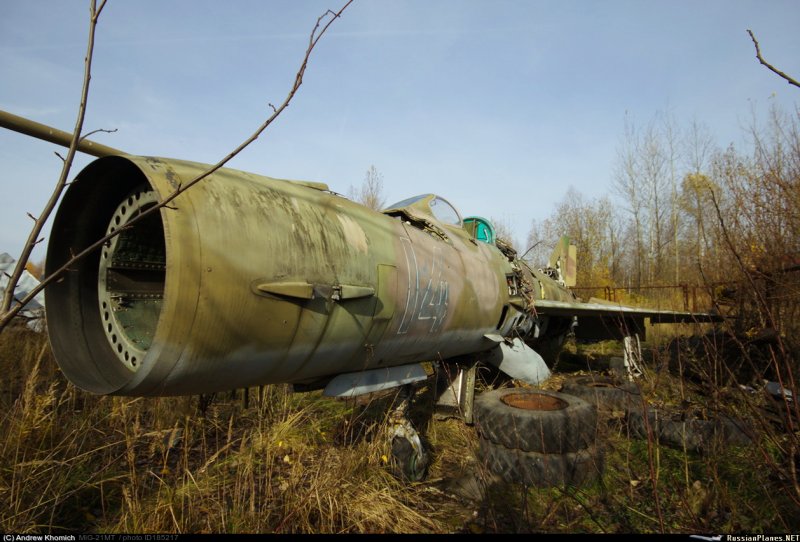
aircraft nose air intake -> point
(130, 285)
(105, 308)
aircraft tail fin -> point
(563, 260)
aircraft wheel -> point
(695, 434)
(411, 463)
(539, 421)
(604, 392)
(543, 470)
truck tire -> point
(539, 421)
(604, 392)
(542, 470)
(696, 434)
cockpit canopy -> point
(428, 205)
(420, 209)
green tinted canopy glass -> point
(480, 228)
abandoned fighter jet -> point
(246, 280)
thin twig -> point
(763, 62)
(104, 130)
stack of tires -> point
(538, 438)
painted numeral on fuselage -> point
(427, 292)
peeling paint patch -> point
(353, 233)
(171, 178)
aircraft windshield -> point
(406, 202)
(444, 212)
(438, 207)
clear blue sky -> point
(498, 106)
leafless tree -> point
(541, 240)
(591, 226)
(370, 193)
(671, 142)
(646, 179)
(653, 165)
(503, 230)
(628, 186)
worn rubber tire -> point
(410, 466)
(697, 435)
(604, 392)
(543, 470)
(542, 421)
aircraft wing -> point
(579, 309)
(612, 321)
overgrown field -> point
(300, 463)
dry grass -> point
(299, 463)
(72, 462)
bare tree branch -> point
(8, 296)
(321, 26)
(788, 78)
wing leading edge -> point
(610, 321)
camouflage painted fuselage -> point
(245, 280)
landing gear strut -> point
(407, 449)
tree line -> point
(682, 210)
